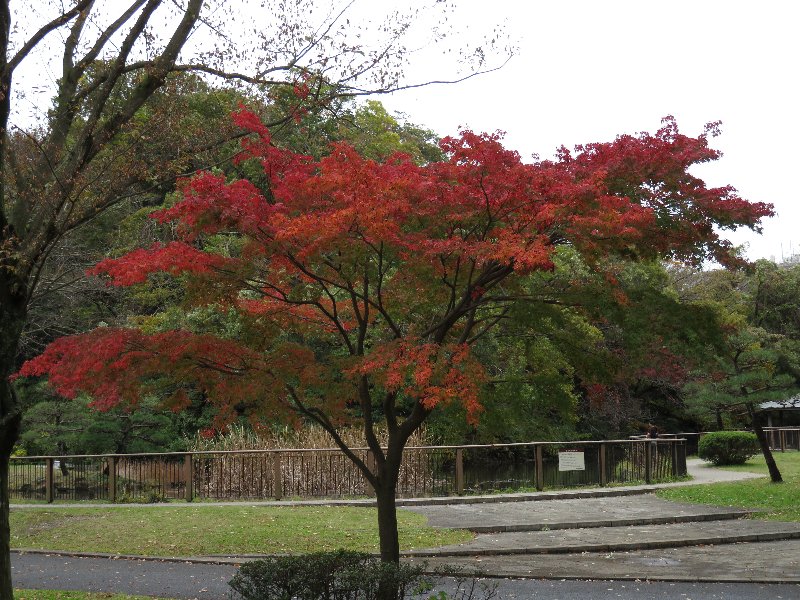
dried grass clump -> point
(306, 461)
(239, 437)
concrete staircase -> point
(599, 524)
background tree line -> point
(665, 344)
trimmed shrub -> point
(728, 447)
(340, 575)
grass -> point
(66, 595)
(205, 529)
(778, 502)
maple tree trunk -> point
(387, 526)
(385, 495)
(772, 466)
(387, 522)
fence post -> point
(648, 461)
(277, 476)
(48, 480)
(539, 469)
(459, 471)
(112, 478)
(603, 473)
(674, 449)
(782, 435)
(188, 476)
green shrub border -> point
(728, 447)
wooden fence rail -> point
(780, 439)
(328, 473)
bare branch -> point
(37, 37)
(322, 420)
(367, 92)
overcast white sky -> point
(588, 70)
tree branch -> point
(37, 37)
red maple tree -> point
(361, 286)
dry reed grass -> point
(239, 438)
(308, 465)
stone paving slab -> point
(767, 562)
(617, 511)
(608, 539)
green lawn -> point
(779, 502)
(207, 529)
(63, 595)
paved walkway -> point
(765, 562)
(611, 533)
(571, 513)
(619, 536)
(199, 581)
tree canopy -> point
(360, 287)
(84, 150)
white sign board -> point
(571, 461)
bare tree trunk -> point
(774, 472)
(12, 321)
(9, 432)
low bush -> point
(728, 447)
(344, 575)
(340, 575)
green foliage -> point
(56, 426)
(376, 134)
(728, 447)
(531, 393)
(758, 358)
(339, 575)
(369, 127)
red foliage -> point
(173, 258)
(394, 268)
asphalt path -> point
(162, 579)
(202, 581)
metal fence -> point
(328, 473)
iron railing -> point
(328, 473)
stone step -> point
(572, 514)
(618, 539)
(619, 522)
